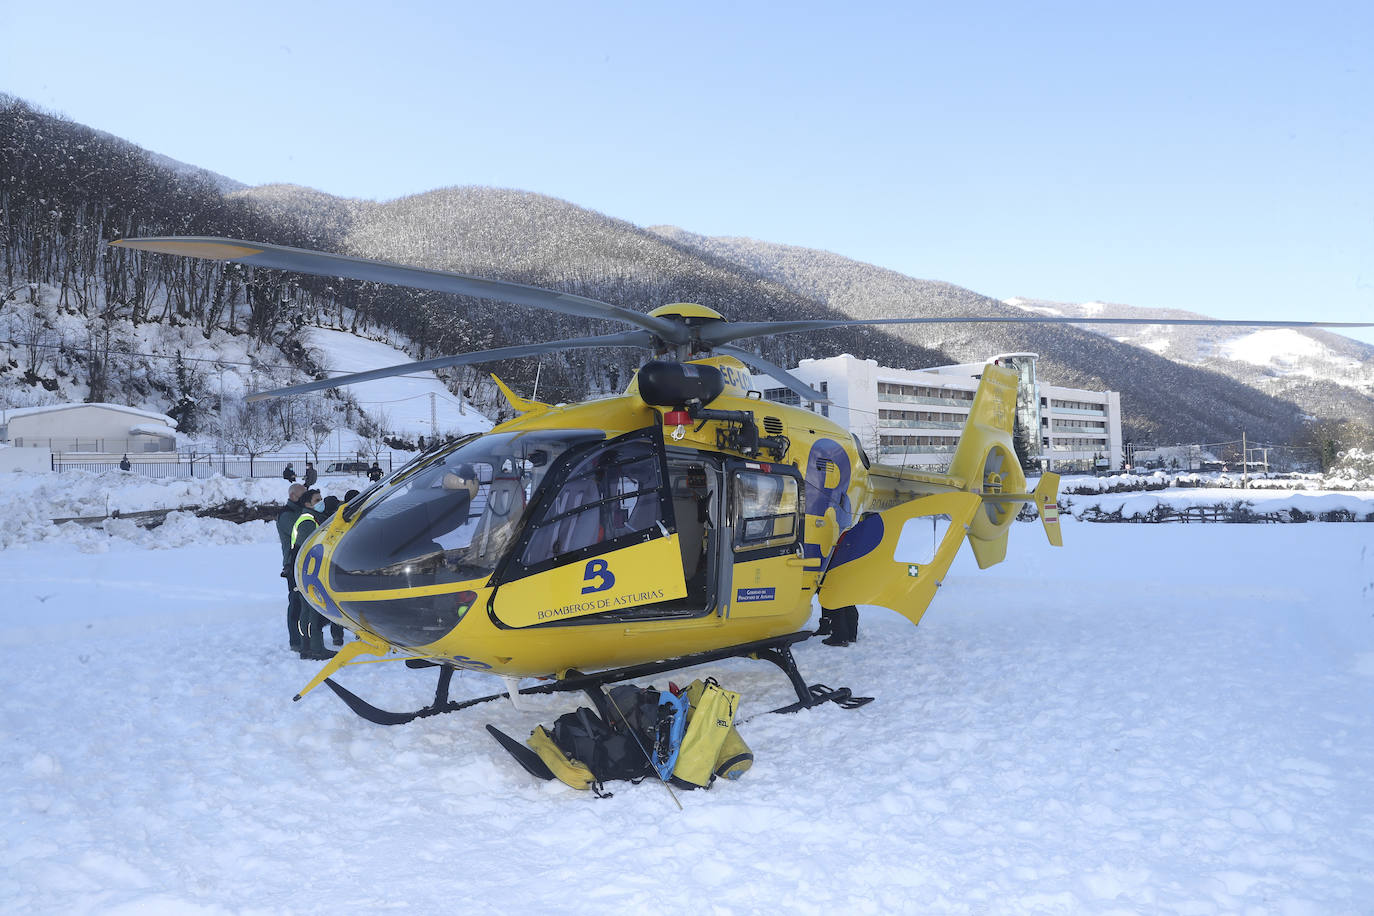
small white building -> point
(101, 429)
(914, 416)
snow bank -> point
(1140, 505)
(30, 502)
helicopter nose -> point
(412, 621)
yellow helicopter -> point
(683, 521)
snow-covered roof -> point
(150, 429)
(148, 414)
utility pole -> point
(1244, 462)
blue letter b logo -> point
(597, 569)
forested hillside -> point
(67, 190)
(81, 320)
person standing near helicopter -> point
(286, 518)
(311, 621)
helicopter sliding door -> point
(600, 542)
(768, 574)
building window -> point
(782, 396)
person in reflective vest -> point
(312, 622)
(286, 518)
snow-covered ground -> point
(1156, 718)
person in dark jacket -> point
(312, 622)
(286, 519)
(374, 473)
(124, 464)
(289, 473)
(310, 475)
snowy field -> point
(1154, 719)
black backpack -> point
(622, 748)
(608, 752)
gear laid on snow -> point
(686, 737)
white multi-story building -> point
(914, 416)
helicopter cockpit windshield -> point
(453, 517)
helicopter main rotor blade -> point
(724, 333)
(623, 339)
(754, 361)
(323, 264)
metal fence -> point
(187, 465)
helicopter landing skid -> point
(777, 650)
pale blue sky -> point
(1214, 157)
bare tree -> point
(35, 335)
(249, 428)
(372, 431)
(315, 424)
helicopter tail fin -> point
(517, 403)
(1047, 504)
(985, 458)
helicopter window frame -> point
(521, 564)
(359, 503)
(747, 547)
(375, 555)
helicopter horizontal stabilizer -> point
(1046, 501)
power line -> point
(414, 397)
(189, 359)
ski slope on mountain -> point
(405, 399)
(1156, 718)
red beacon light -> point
(678, 419)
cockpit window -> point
(765, 510)
(452, 518)
(611, 493)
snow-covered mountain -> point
(1326, 374)
(1162, 400)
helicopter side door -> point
(768, 575)
(600, 541)
(897, 558)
